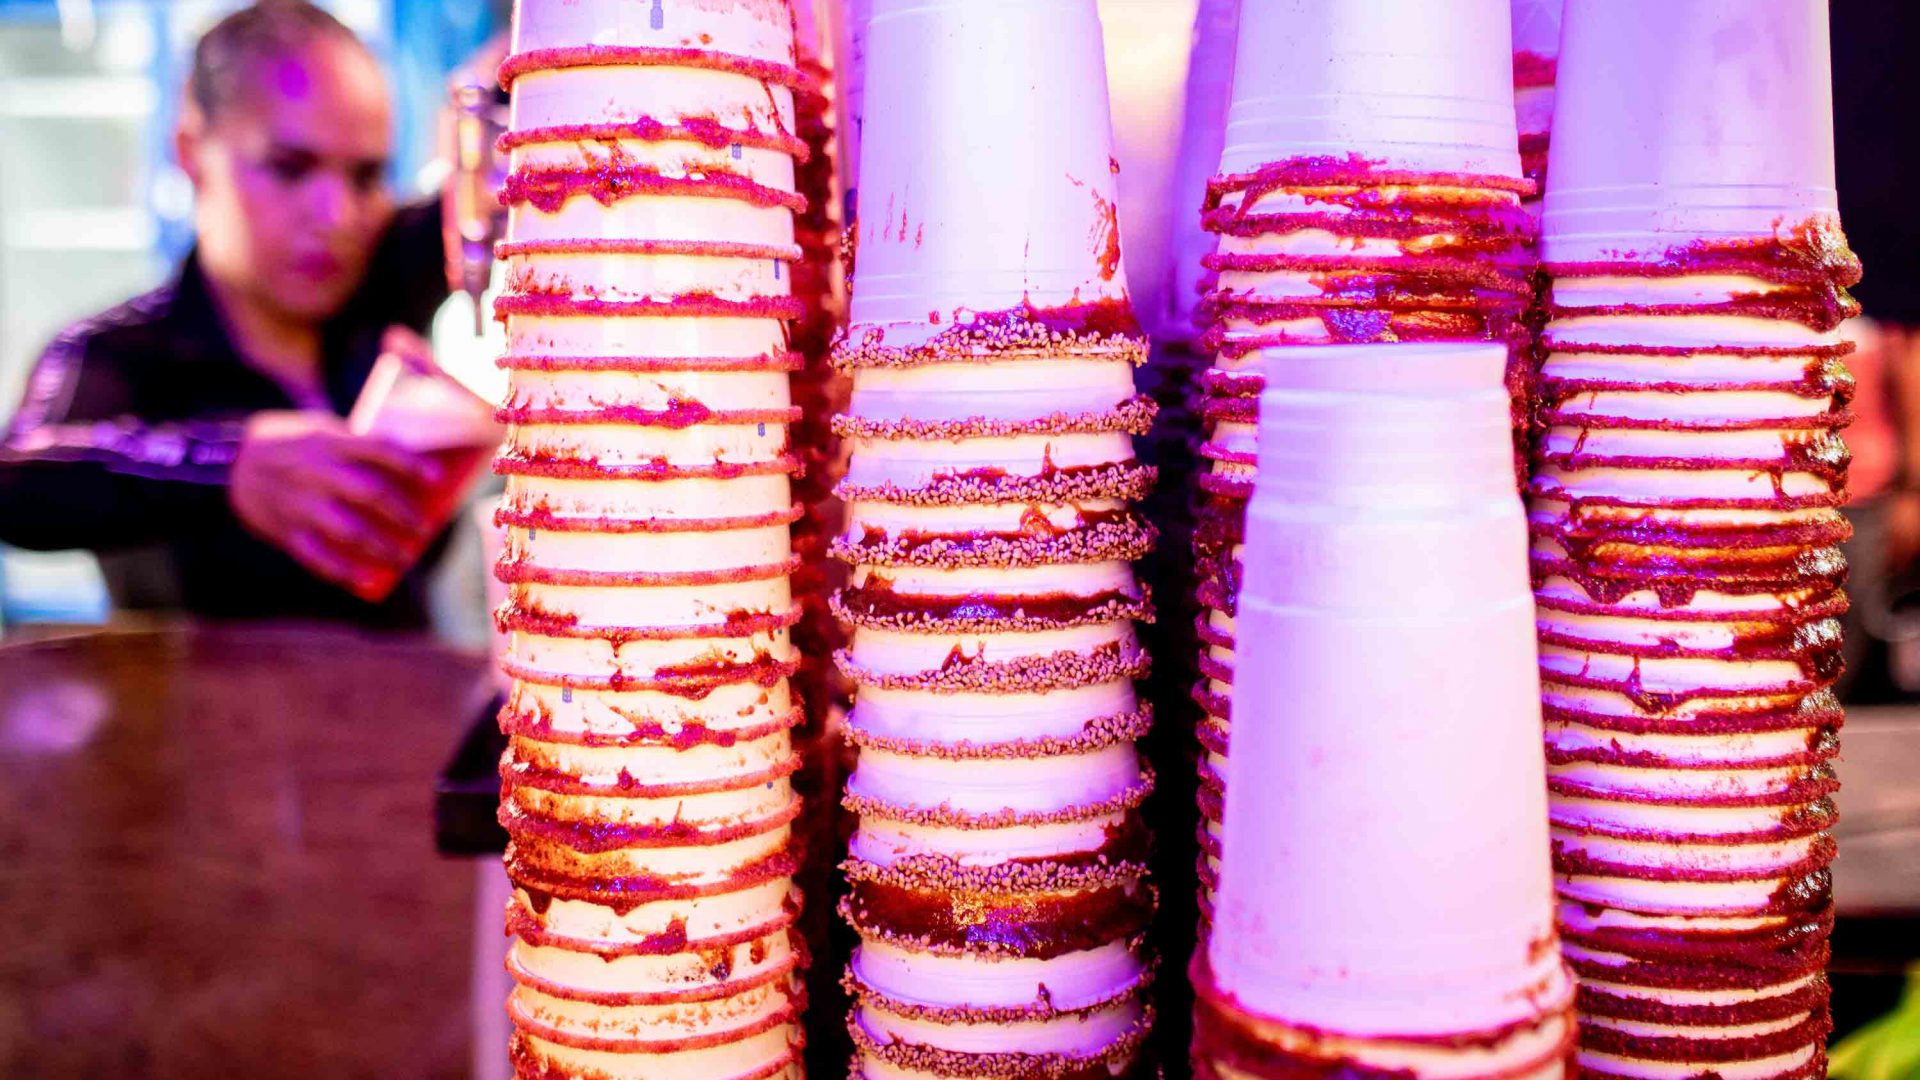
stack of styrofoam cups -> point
(1171, 378)
(1386, 906)
(1536, 53)
(997, 870)
(1171, 375)
(1369, 192)
(818, 391)
(646, 792)
(1685, 519)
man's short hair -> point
(263, 30)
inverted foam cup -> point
(624, 277)
(756, 29)
(585, 390)
(714, 102)
(905, 654)
(1386, 862)
(702, 785)
(649, 451)
(1068, 386)
(872, 522)
(1059, 581)
(1202, 135)
(1031, 785)
(1074, 981)
(567, 617)
(590, 504)
(661, 339)
(911, 717)
(1009, 198)
(910, 463)
(1687, 120)
(1075, 1034)
(582, 713)
(1030, 714)
(695, 551)
(1426, 87)
(755, 175)
(493, 544)
(660, 1022)
(545, 658)
(681, 972)
(682, 218)
(764, 1053)
(664, 1015)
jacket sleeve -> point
(78, 468)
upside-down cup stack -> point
(1172, 379)
(997, 871)
(1685, 517)
(646, 782)
(818, 391)
(1386, 905)
(1369, 192)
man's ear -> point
(187, 137)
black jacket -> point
(129, 425)
(1877, 149)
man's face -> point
(290, 179)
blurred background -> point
(94, 209)
(274, 904)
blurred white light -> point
(77, 23)
(172, 194)
(127, 41)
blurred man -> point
(1878, 165)
(1883, 506)
(194, 435)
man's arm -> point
(79, 470)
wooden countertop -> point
(1877, 874)
(216, 856)
(216, 853)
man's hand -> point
(346, 506)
